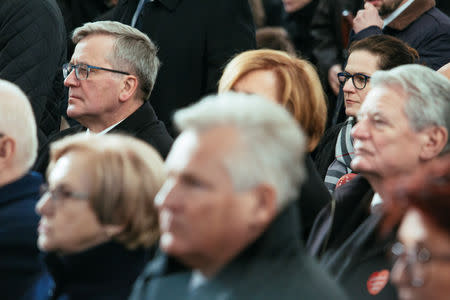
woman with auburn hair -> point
(422, 253)
(98, 221)
(286, 79)
(293, 83)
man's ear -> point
(435, 139)
(7, 150)
(128, 88)
(265, 205)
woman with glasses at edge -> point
(98, 222)
(422, 254)
(335, 152)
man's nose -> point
(71, 79)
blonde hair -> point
(300, 89)
(124, 174)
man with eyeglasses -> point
(19, 192)
(111, 74)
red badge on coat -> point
(377, 281)
(344, 179)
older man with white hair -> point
(19, 192)
(402, 125)
(227, 214)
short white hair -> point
(18, 122)
(271, 144)
(427, 92)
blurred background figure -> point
(19, 191)
(297, 21)
(418, 23)
(275, 38)
(98, 221)
(294, 84)
(78, 12)
(422, 255)
(227, 213)
(402, 126)
(330, 29)
(195, 39)
(32, 51)
(335, 151)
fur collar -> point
(412, 13)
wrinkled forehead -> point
(94, 48)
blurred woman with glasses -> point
(335, 150)
(98, 222)
(422, 254)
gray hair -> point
(133, 51)
(17, 121)
(271, 145)
(428, 94)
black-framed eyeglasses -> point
(413, 262)
(60, 193)
(359, 80)
(82, 70)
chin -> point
(44, 245)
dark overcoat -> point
(142, 124)
(32, 52)
(196, 38)
(273, 267)
(20, 263)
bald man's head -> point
(445, 70)
(18, 133)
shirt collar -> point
(397, 12)
(106, 130)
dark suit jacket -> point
(20, 263)
(273, 267)
(347, 242)
(313, 197)
(103, 272)
(142, 124)
(196, 38)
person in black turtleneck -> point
(98, 222)
(297, 21)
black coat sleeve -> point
(32, 51)
(230, 30)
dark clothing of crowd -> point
(20, 263)
(32, 51)
(195, 40)
(273, 267)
